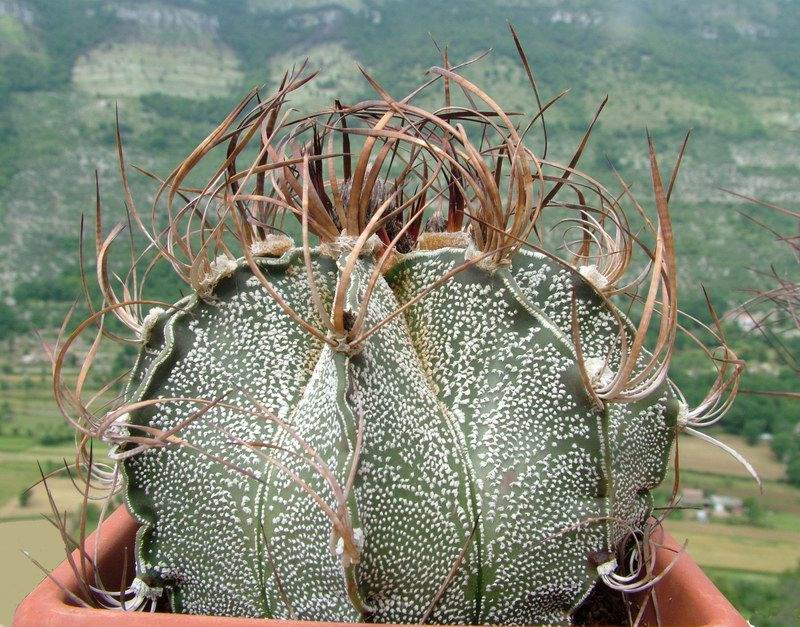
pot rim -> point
(685, 595)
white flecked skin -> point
(477, 433)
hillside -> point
(720, 68)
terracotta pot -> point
(685, 595)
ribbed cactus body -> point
(483, 474)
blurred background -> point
(726, 69)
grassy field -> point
(740, 547)
(22, 526)
(62, 490)
(777, 496)
(748, 562)
(770, 546)
(743, 576)
(17, 476)
(698, 456)
(18, 575)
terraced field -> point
(698, 456)
(135, 69)
(740, 547)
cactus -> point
(392, 423)
(469, 421)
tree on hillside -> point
(775, 314)
(10, 324)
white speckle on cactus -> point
(435, 241)
(683, 414)
(150, 321)
(592, 274)
(143, 591)
(223, 266)
(599, 373)
(358, 538)
(606, 568)
(271, 246)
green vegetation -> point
(762, 599)
(749, 557)
(17, 476)
(753, 415)
(136, 69)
